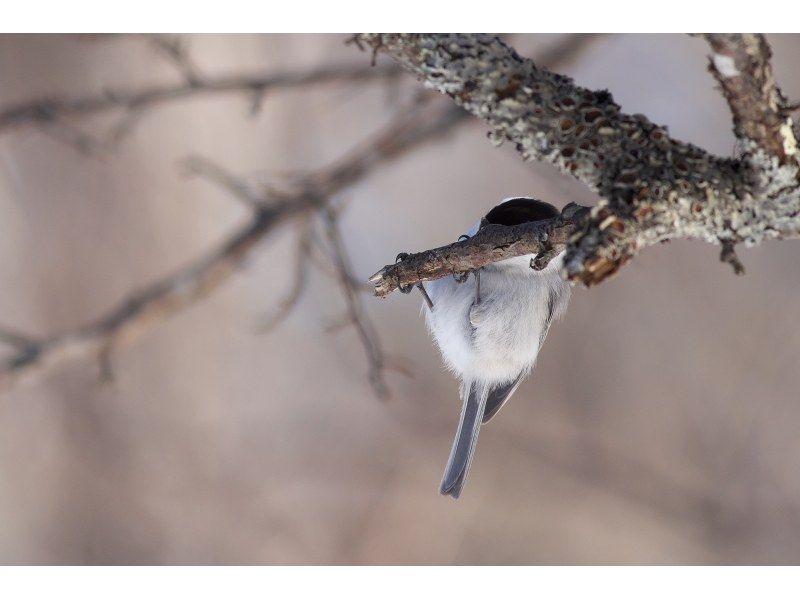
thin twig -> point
(15, 339)
(81, 142)
(299, 281)
(355, 308)
(52, 109)
(173, 47)
(728, 256)
(236, 186)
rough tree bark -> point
(652, 187)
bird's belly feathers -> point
(498, 337)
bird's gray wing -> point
(472, 407)
(499, 396)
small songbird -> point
(490, 329)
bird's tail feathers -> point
(473, 404)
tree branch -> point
(355, 308)
(146, 308)
(173, 47)
(741, 65)
(150, 306)
(654, 187)
(302, 259)
(53, 109)
(539, 238)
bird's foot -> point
(462, 277)
(408, 288)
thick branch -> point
(654, 187)
(741, 66)
(488, 245)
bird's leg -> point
(548, 252)
(407, 289)
(422, 290)
(463, 276)
(403, 289)
(477, 273)
(542, 259)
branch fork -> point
(652, 187)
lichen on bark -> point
(652, 187)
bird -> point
(490, 329)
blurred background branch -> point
(423, 121)
(271, 208)
(55, 113)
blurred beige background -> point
(660, 425)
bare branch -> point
(49, 110)
(653, 187)
(300, 278)
(235, 185)
(728, 256)
(545, 238)
(173, 47)
(148, 307)
(81, 142)
(153, 304)
(15, 339)
(741, 65)
(355, 308)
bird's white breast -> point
(499, 337)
